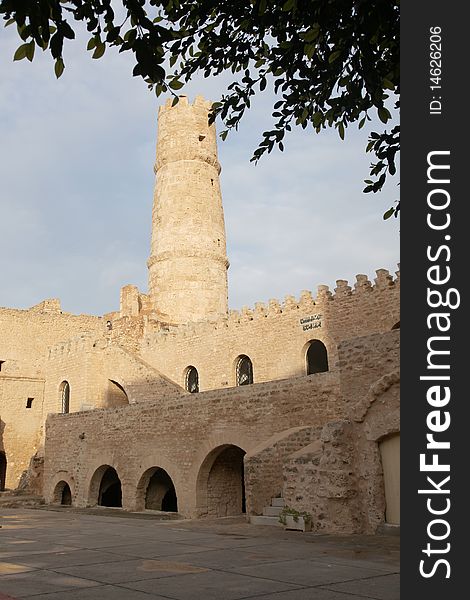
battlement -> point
(183, 102)
(344, 294)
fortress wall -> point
(275, 335)
(94, 367)
(178, 433)
(20, 427)
(25, 336)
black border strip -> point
(427, 128)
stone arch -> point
(115, 395)
(64, 395)
(105, 488)
(220, 485)
(62, 493)
(3, 470)
(243, 370)
(191, 380)
(156, 491)
(316, 357)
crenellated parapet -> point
(347, 301)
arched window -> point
(244, 370)
(317, 357)
(65, 396)
(191, 380)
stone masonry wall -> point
(338, 478)
(274, 336)
(25, 336)
(177, 434)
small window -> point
(65, 396)
(191, 381)
(1, 364)
(244, 371)
(317, 358)
(29, 403)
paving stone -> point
(385, 587)
(23, 585)
(212, 585)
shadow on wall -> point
(220, 487)
(115, 395)
(62, 494)
(156, 491)
(105, 488)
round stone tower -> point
(188, 259)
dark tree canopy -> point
(331, 63)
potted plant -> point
(294, 519)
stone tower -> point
(188, 259)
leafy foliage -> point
(331, 63)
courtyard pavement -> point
(66, 554)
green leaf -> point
(21, 52)
(91, 43)
(311, 34)
(173, 59)
(175, 84)
(309, 50)
(224, 134)
(289, 5)
(388, 84)
(9, 22)
(341, 131)
(30, 50)
(59, 67)
(262, 7)
(333, 56)
(384, 114)
(362, 122)
(388, 213)
(99, 50)
(176, 99)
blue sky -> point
(76, 174)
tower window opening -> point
(191, 381)
(1, 364)
(29, 402)
(244, 371)
(65, 397)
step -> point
(277, 502)
(272, 511)
(262, 520)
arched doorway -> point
(156, 491)
(63, 494)
(390, 456)
(3, 470)
(317, 357)
(105, 488)
(244, 370)
(221, 483)
(64, 391)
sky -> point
(76, 173)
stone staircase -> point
(19, 499)
(270, 514)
